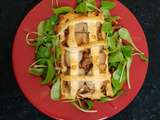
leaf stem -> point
(122, 72)
(93, 7)
(128, 72)
(83, 110)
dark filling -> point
(99, 31)
(103, 88)
(67, 86)
(66, 63)
(86, 61)
(66, 33)
(66, 59)
(81, 34)
(87, 87)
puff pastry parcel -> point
(84, 58)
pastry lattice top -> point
(83, 76)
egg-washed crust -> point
(75, 81)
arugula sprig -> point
(56, 91)
(125, 35)
(84, 105)
(62, 10)
(120, 55)
(106, 6)
(109, 99)
(86, 6)
(47, 55)
(44, 44)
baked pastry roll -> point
(84, 58)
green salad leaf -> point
(43, 52)
(105, 12)
(89, 104)
(124, 34)
(46, 26)
(108, 99)
(36, 71)
(79, 106)
(107, 5)
(119, 74)
(116, 56)
(118, 78)
(56, 90)
(43, 67)
(84, 105)
(129, 61)
(54, 20)
(111, 43)
(62, 10)
(81, 8)
(50, 73)
(107, 27)
(85, 6)
(112, 19)
(79, 1)
(40, 28)
(91, 5)
(104, 99)
(127, 51)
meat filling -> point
(66, 33)
(100, 34)
(66, 86)
(86, 62)
(81, 34)
(86, 89)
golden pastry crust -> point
(73, 84)
(74, 18)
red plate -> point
(38, 95)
